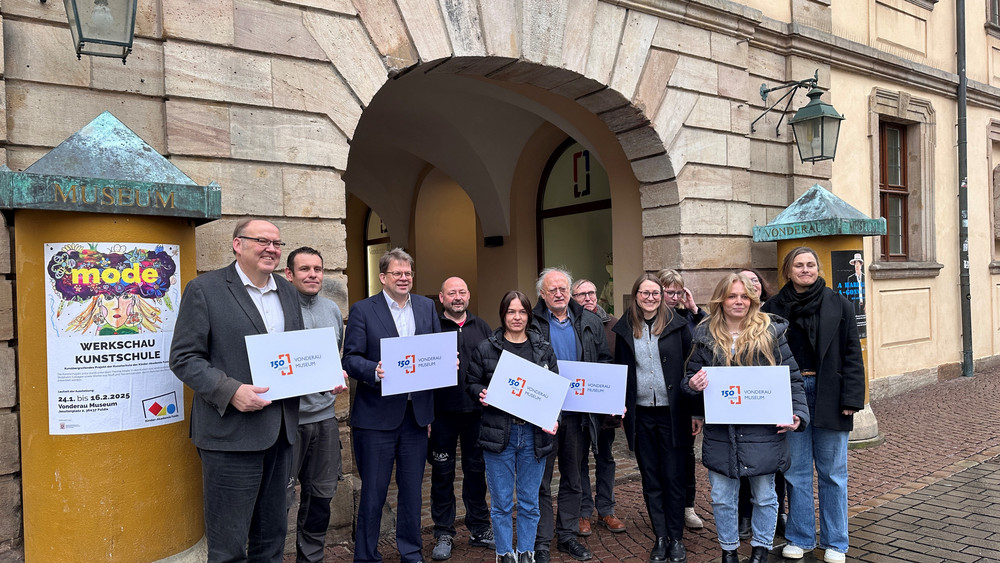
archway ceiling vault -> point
(471, 129)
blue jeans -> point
(725, 508)
(515, 467)
(828, 450)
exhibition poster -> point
(110, 313)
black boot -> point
(506, 558)
(779, 527)
(745, 529)
(758, 555)
(526, 557)
(677, 552)
(730, 556)
(659, 553)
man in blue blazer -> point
(244, 441)
(392, 428)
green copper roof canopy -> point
(106, 168)
(818, 213)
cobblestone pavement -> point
(930, 493)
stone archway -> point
(266, 97)
(670, 83)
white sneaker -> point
(793, 552)
(834, 556)
(691, 519)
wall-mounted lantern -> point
(815, 126)
(102, 28)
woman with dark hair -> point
(653, 342)
(514, 450)
(823, 337)
(738, 334)
(758, 282)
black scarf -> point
(803, 308)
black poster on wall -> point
(848, 279)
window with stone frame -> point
(902, 132)
(893, 189)
(993, 18)
(993, 136)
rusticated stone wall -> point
(264, 96)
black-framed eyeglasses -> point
(673, 293)
(649, 294)
(264, 242)
(585, 294)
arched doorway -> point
(376, 244)
(493, 140)
(574, 218)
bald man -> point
(456, 417)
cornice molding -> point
(797, 39)
(844, 54)
(715, 15)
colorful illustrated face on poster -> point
(119, 289)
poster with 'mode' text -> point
(110, 310)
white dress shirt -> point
(266, 300)
(402, 317)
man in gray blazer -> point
(244, 441)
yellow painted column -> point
(133, 495)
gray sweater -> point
(319, 312)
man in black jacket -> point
(576, 335)
(457, 416)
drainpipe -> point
(963, 193)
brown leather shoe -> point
(584, 527)
(612, 523)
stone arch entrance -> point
(492, 135)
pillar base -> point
(865, 433)
(194, 554)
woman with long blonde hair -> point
(737, 333)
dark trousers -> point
(690, 487)
(245, 502)
(663, 470)
(569, 451)
(604, 475)
(745, 504)
(375, 453)
(447, 430)
(317, 466)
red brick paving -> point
(931, 435)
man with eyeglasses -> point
(390, 430)
(457, 417)
(244, 441)
(576, 335)
(585, 293)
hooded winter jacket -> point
(746, 450)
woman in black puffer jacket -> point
(514, 450)
(737, 333)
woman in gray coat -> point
(736, 333)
